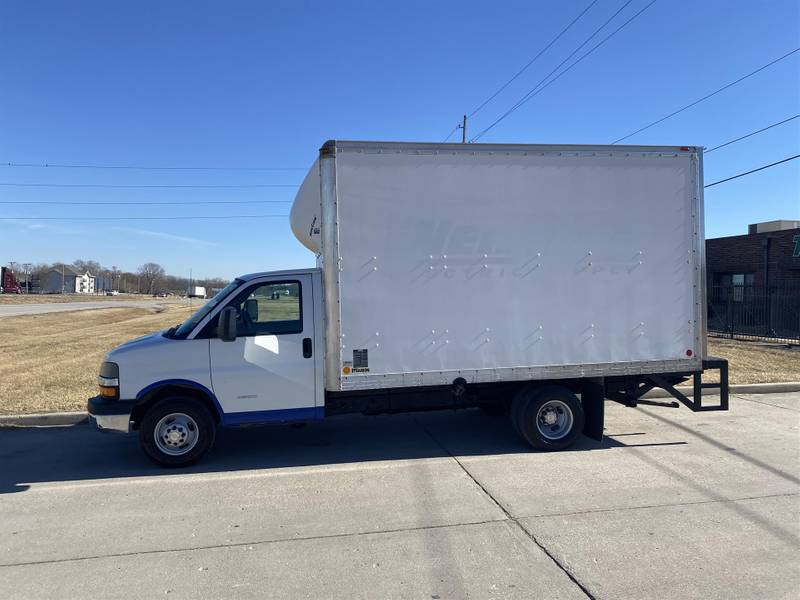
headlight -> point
(108, 380)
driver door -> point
(270, 364)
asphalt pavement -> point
(430, 505)
(16, 310)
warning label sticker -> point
(360, 361)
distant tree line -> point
(149, 278)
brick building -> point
(753, 285)
(767, 256)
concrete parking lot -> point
(435, 505)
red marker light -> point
(689, 352)
(684, 148)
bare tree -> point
(151, 274)
(88, 266)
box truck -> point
(196, 291)
(530, 280)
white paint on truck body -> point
(506, 262)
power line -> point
(533, 60)
(504, 86)
(104, 185)
(753, 170)
(141, 218)
(148, 168)
(104, 202)
(523, 69)
(706, 97)
(286, 216)
(536, 90)
(750, 134)
(451, 133)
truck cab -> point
(251, 354)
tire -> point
(550, 417)
(517, 405)
(185, 428)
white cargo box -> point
(505, 262)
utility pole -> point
(11, 265)
(26, 267)
(62, 279)
(463, 128)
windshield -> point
(186, 327)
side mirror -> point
(226, 330)
(251, 308)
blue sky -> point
(265, 83)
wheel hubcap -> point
(554, 419)
(176, 434)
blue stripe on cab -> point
(286, 415)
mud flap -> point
(593, 400)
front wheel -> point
(549, 418)
(177, 432)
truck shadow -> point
(79, 453)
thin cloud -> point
(166, 236)
(33, 225)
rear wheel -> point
(518, 404)
(177, 432)
(548, 418)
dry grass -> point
(50, 362)
(58, 298)
(757, 362)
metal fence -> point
(755, 313)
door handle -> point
(307, 348)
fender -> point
(238, 418)
(185, 383)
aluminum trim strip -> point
(330, 268)
(393, 380)
(426, 147)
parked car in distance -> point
(112, 293)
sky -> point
(264, 84)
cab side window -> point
(269, 309)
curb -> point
(742, 388)
(44, 419)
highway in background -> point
(16, 310)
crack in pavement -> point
(252, 543)
(509, 516)
(665, 505)
(501, 507)
(389, 531)
(738, 397)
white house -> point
(67, 279)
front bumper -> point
(111, 415)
